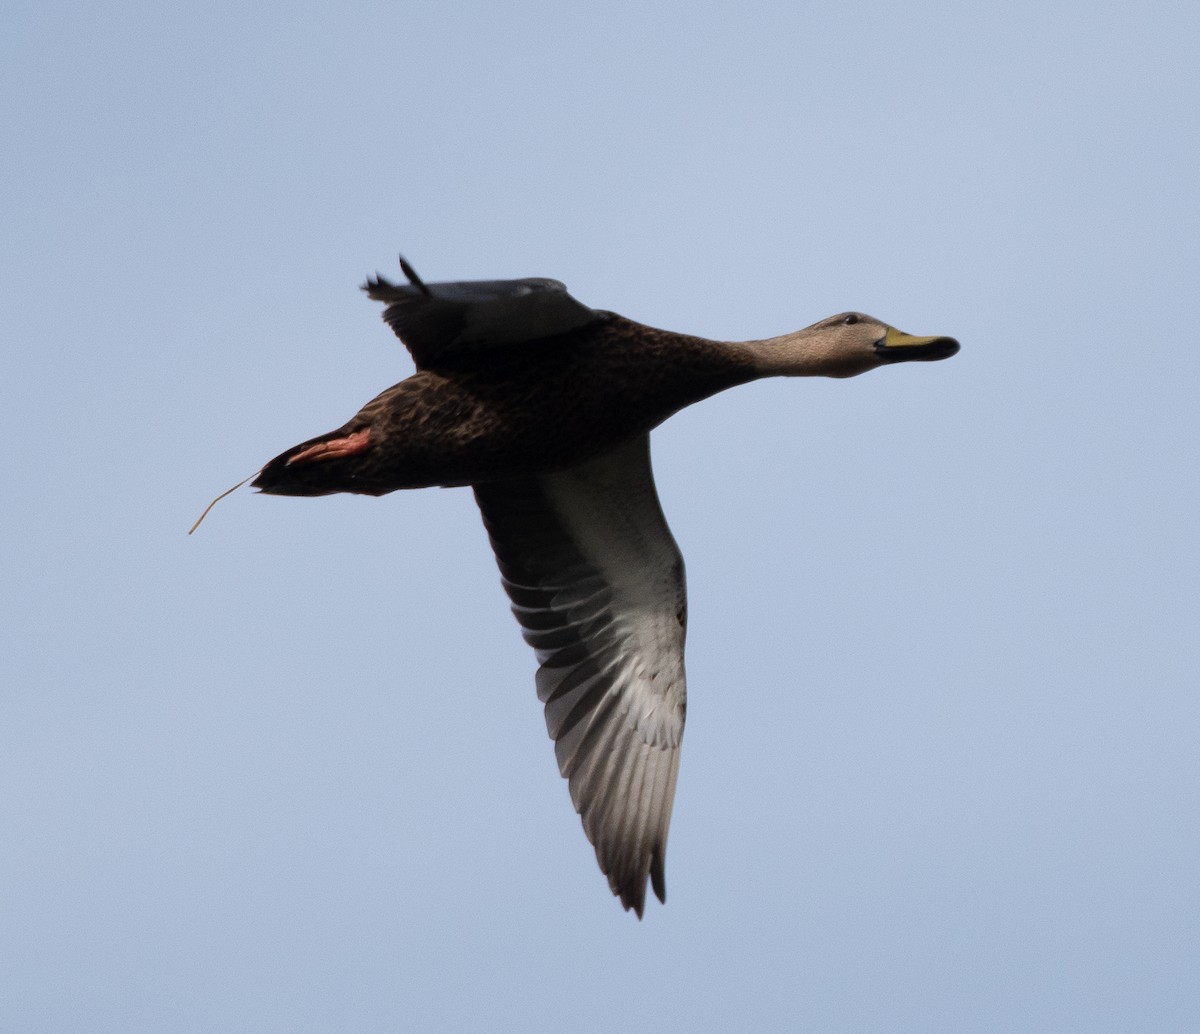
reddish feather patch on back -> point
(336, 448)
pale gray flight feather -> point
(597, 583)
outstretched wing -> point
(597, 583)
(438, 320)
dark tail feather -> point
(324, 465)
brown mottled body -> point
(486, 414)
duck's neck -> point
(804, 353)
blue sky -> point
(290, 774)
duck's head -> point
(845, 345)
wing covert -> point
(440, 320)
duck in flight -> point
(544, 407)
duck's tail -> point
(324, 465)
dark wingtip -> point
(632, 890)
(630, 885)
(376, 286)
(413, 279)
(658, 877)
(633, 901)
(381, 289)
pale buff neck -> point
(812, 352)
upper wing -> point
(597, 583)
(436, 320)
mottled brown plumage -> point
(517, 410)
(545, 406)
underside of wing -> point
(439, 321)
(597, 583)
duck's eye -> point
(850, 320)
